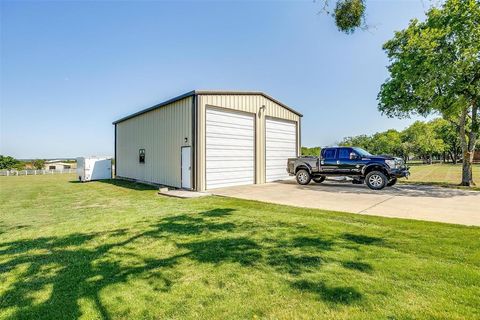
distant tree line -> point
(315, 151)
(436, 139)
(10, 163)
(422, 140)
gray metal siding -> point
(161, 132)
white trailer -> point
(94, 168)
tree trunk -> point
(453, 156)
(455, 153)
(468, 144)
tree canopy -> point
(7, 162)
(435, 68)
(38, 164)
(349, 15)
(421, 140)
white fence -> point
(34, 172)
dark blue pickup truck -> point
(376, 172)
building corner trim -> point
(115, 150)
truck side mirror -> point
(353, 156)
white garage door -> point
(230, 159)
(281, 144)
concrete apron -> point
(428, 203)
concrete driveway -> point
(401, 201)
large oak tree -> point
(435, 68)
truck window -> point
(329, 154)
(344, 153)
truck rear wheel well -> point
(300, 168)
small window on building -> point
(51, 167)
(66, 167)
(141, 155)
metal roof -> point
(207, 92)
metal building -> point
(208, 139)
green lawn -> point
(117, 250)
(440, 174)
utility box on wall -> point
(93, 168)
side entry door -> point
(186, 170)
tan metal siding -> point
(161, 132)
(246, 103)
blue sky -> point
(68, 69)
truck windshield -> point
(361, 152)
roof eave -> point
(180, 97)
(206, 92)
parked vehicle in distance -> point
(376, 172)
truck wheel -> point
(303, 177)
(376, 180)
(392, 182)
(319, 179)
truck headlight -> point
(390, 163)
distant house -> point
(59, 165)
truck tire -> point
(303, 177)
(319, 179)
(376, 180)
(392, 182)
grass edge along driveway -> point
(116, 250)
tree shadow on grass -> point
(299, 254)
(238, 250)
(217, 212)
(363, 239)
(78, 266)
(73, 270)
(358, 266)
(316, 243)
(294, 264)
(187, 225)
(337, 295)
(403, 190)
(124, 184)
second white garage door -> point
(281, 144)
(230, 145)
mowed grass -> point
(441, 174)
(117, 250)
